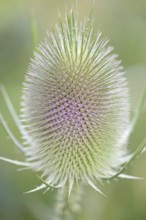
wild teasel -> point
(75, 109)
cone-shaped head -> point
(75, 106)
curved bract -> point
(75, 106)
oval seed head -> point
(75, 106)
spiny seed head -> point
(75, 106)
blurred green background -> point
(124, 22)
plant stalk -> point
(68, 207)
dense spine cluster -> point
(75, 106)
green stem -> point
(61, 209)
(67, 208)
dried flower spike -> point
(75, 106)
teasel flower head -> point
(75, 106)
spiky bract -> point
(75, 106)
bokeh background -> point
(124, 22)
